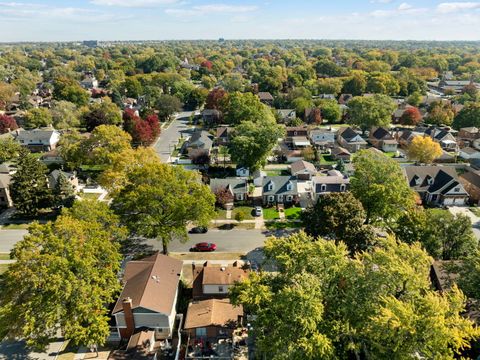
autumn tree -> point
(10, 149)
(351, 307)
(38, 117)
(159, 200)
(223, 196)
(411, 116)
(424, 150)
(67, 272)
(7, 92)
(143, 132)
(7, 123)
(65, 115)
(440, 113)
(379, 184)
(69, 90)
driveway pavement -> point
(16, 350)
(8, 238)
(455, 210)
(169, 137)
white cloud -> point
(381, 1)
(133, 3)
(450, 7)
(404, 6)
(211, 9)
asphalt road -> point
(226, 240)
(170, 136)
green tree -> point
(167, 105)
(38, 117)
(102, 113)
(469, 271)
(379, 184)
(64, 277)
(159, 200)
(339, 216)
(69, 90)
(367, 112)
(330, 110)
(252, 142)
(238, 107)
(65, 115)
(468, 116)
(29, 187)
(9, 149)
(356, 84)
(377, 305)
(439, 113)
(64, 193)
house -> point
(265, 98)
(469, 153)
(303, 170)
(242, 171)
(237, 188)
(455, 86)
(405, 137)
(296, 131)
(149, 296)
(52, 157)
(211, 116)
(467, 136)
(200, 141)
(286, 115)
(224, 134)
(334, 181)
(212, 319)
(350, 140)
(39, 140)
(279, 190)
(446, 140)
(381, 139)
(258, 176)
(296, 137)
(340, 153)
(397, 114)
(89, 82)
(322, 138)
(345, 98)
(5, 197)
(212, 281)
(55, 174)
(436, 185)
(313, 115)
(471, 183)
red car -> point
(204, 247)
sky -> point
(73, 20)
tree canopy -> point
(371, 111)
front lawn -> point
(221, 213)
(89, 196)
(247, 211)
(4, 256)
(270, 214)
(277, 172)
(475, 211)
(327, 159)
(293, 213)
(3, 268)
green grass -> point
(293, 213)
(92, 196)
(475, 211)
(277, 172)
(281, 225)
(221, 213)
(247, 211)
(4, 256)
(270, 214)
(15, 226)
(391, 154)
(327, 159)
(3, 268)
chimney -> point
(129, 320)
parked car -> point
(258, 211)
(204, 247)
(198, 230)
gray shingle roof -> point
(279, 185)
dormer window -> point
(270, 186)
(429, 180)
(289, 186)
(323, 187)
(457, 189)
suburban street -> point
(8, 238)
(170, 136)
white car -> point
(258, 211)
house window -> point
(323, 187)
(270, 186)
(270, 198)
(239, 196)
(289, 186)
(201, 332)
(342, 187)
(221, 289)
(457, 189)
(289, 197)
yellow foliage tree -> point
(424, 150)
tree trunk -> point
(164, 245)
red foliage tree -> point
(214, 98)
(411, 116)
(207, 64)
(143, 132)
(7, 123)
(154, 124)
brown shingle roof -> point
(213, 312)
(223, 275)
(151, 283)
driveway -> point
(169, 137)
(8, 238)
(455, 210)
(16, 350)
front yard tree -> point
(379, 184)
(377, 305)
(29, 188)
(103, 113)
(9, 149)
(411, 116)
(167, 105)
(375, 110)
(338, 216)
(253, 142)
(424, 150)
(39, 117)
(468, 116)
(64, 277)
(159, 200)
(7, 123)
